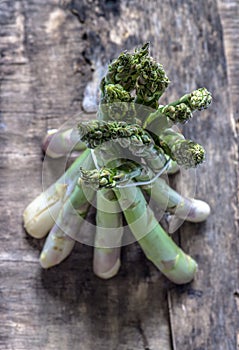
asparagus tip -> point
(188, 153)
(200, 99)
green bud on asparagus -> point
(179, 111)
(95, 133)
(178, 114)
(116, 93)
(188, 153)
(110, 178)
(116, 104)
(199, 99)
(185, 152)
(125, 69)
(151, 83)
(196, 100)
(121, 70)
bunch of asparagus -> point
(125, 150)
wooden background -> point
(51, 56)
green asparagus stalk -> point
(173, 167)
(109, 232)
(40, 215)
(178, 111)
(59, 143)
(116, 104)
(189, 209)
(62, 236)
(155, 242)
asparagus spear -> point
(115, 104)
(196, 100)
(156, 244)
(137, 71)
(178, 111)
(185, 152)
(189, 209)
(109, 231)
(61, 238)
(56, 248)
(40, 214)
(94, 133)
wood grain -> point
(52, 54)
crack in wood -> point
(170, 320)
(143, 336)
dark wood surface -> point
(51, 56)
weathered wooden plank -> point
(50, 62)
(46, 63)
(229, 11)
(205, 315)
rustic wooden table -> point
(51, 56)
